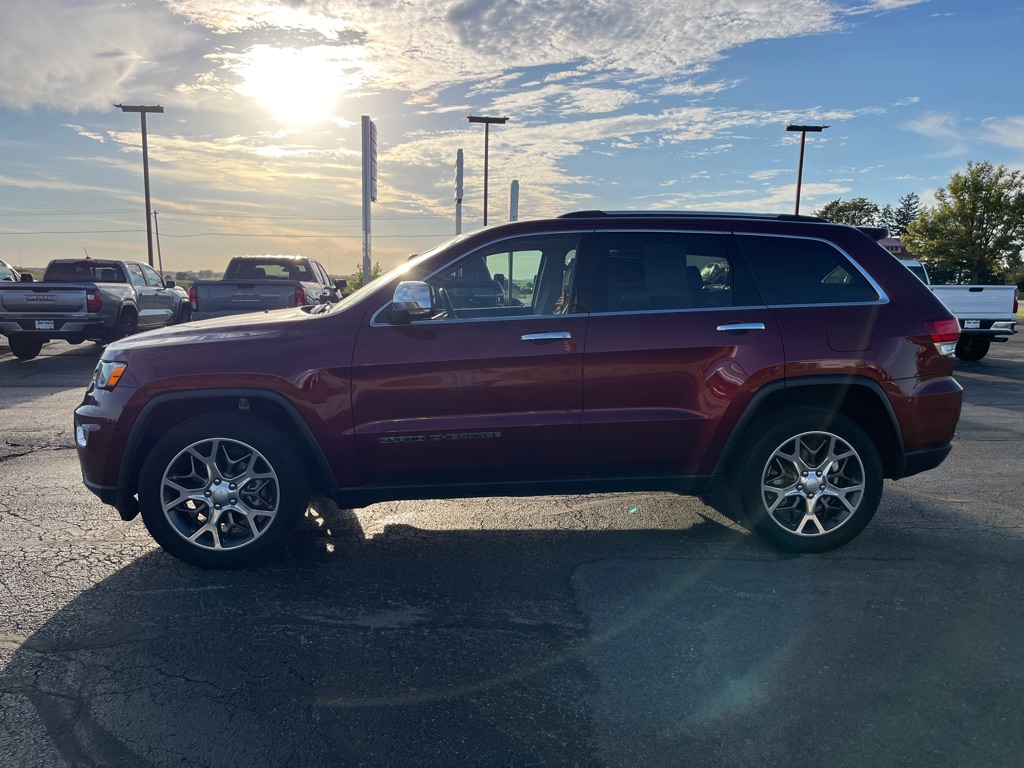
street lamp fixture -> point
(145, 167)
(487, 121)
(804, 130)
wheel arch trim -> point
(128, 474)
(753, 409)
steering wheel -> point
(446, 302)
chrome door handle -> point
(553, 336)
(737, 327)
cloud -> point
(1004, 131)
(429, 44)
(941, 128)
(84, 55)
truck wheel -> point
(808, 481)
(184, 314)
(972, 348)
(126, 325)
(222, 490)
(24, 347)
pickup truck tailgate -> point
(981, 302)
(29, 298)
(225, 297)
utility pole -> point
(159, 255)
(145, 165)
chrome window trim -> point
(883, 296)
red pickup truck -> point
(761, 362)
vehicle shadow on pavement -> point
(695, 645)
(412, 647)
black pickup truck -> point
(258, 283)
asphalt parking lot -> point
(610, 630)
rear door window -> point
(793, 271)
(651, 271)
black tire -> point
(184, 314)
(972, 348)
(24, 347)
(126, 325)
(213, 522)
(809, 480)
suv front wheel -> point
(222, 490)
(809, 481)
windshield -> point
(398, 271)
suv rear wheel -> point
(222, 491)
(809, 481)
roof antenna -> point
(86, 252)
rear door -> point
(489, 388)
(677, 336)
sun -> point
(298, 86)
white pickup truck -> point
(986, 313)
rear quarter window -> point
(791, 270)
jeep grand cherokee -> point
(778, 366)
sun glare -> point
(297, 86)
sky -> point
(612, 104)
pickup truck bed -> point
(986, 313)
(260, 283)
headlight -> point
(107, 374)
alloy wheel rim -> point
(813, 484)
(220, 494)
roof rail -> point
(688, 214)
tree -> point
(909, 209)
(357, 280)
(859, 212)
(976, 231)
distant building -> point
(896, 247)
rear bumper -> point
(997, 331)
(921, 461)
(62, 329)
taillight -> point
(93, 301)
(300, 297)
(1016, 293)
(945, 331)
(193, 297)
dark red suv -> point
(778, 366)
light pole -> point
(145, 167)
(487, 121)
(804, 130)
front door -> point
(490, 387)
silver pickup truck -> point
(259, 283)
(87, 299)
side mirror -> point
(411, 301)
(341, 285)
(27, 278)
(168, 283)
